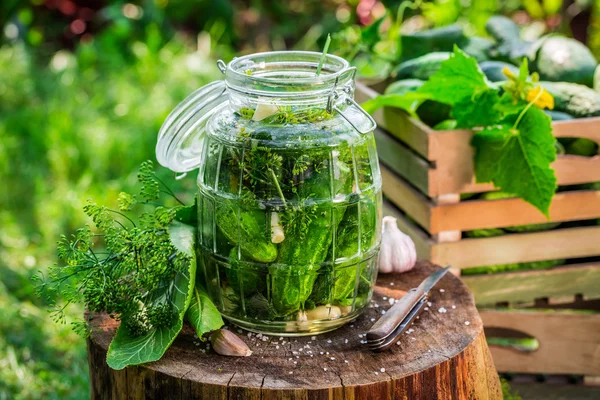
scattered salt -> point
(442, 290)
(324, 369)
(398, 343)
(376, 305)
(321, 353)
(295, 362)
(346, 361)
(313, 338)
(329, 341)
(332, 358)
(376, 373)
(382, 312)
(385, 297)
(345, 340)
(276, 347)
(280, 337)
(426, 308)
(467, 323)
(372, 319)
(429, 303)
(351, 326)
(442, 310)
(382, 369)
(453, 307)
(291, 372)
(413, 338)
(391, 283)
(391, 301)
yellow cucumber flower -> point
(544, 100)
(509, 74)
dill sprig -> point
(118, 268)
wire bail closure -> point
(347, 90)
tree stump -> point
(443, 356)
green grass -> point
(72, 127)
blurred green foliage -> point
(84, 88)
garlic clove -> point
(227, 343)
(264, 110)
(277, 235)
(324, 312)
(398, 252)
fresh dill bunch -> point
(120, 266)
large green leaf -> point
(202, 314)
(517, 160)
(132, 350)
(408, 101)
(477, 111)
(459, 78)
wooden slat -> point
(569, 341)
(453, 154)
(520, 247)
(580, 128)
(403, 161)
(412, 132)
(422, 241)
(525, 286)
(406, 197)
(478, 214)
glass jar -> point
(289, 191)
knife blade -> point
(395, 316)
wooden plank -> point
(569, 341)
(403, 161)
(525, 286)
(579, 128)
(478, 214)
(412, 132)
(406, 197)
(520, 247)
(423, 243)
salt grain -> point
(376, 305)
(376, 373)
(442, 290)
(345, 340)
(372, 319)
(351, 326)
(429, 303)
(398, 343)
(321, 353)
(329, 341)
(442, 310)
(313, 338)
(467, 323)
(391, 283)
(382, 369)
(276, 347)
(291, 372)
(453, 307)
(346, 361)
(385, 297)
(332, 358)
(324, 369)
(382, 312)
(391, 301)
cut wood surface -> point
(451, 155)
(569, 342)
(443, 358)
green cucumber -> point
(478, 48)
(562, 59)
(438, 39)
(431, 112)
(494, 70)
(299, 261)
(422, 67)
(244, 277)
(578, 100)
(248, 229)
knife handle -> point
(394, 316)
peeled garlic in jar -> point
(324, 312)
(264, 110)
(398, 252)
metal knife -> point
(385, 332)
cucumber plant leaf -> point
(458, 78)
(126, 349)
(480, 110)
(517, 159)
(407, 101)
(202, 313)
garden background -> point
(84, 88)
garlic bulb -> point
(398, 253)
(227, 343)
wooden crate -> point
(425, 171)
